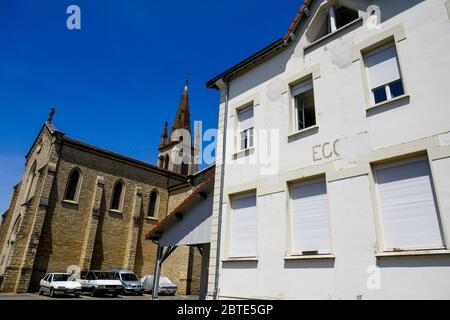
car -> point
(130, 281)
(166, 287)
(100, 283)
(59, 283)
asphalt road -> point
(35, 296)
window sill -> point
(416, 253)
(314, 257)
(151, 218)
(115, 211)
(70, 202)
(245, 152)
(248, 259)
(387, 102)
(299, 133)
(330, 35)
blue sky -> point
(118, 79)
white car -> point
(166, 287)
(59, 283)
(101, 282)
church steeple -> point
(183, 116)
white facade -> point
(343, 237)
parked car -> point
(59, 283)
(166, 287)
(130, 281)
(100, 283)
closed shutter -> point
(310, 218)
(408, 207)
(383, 67)
(302, 88)
(243, 227)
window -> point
(166, 162)
(385, 80)
(184, 169)
(153, 205)
(245, 118)
(117, 197)
(30, 181)
(305, 113)
(407, 205)
(73, 184)
(243, 226)
(336, 18)
(310, 218)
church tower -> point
(176, 152)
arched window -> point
(73, 185)
(166, 162)
(117, 196)
(153, 205)
(9, 244)
(30, 181)
(184, 169)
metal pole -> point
(156, 276)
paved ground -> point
(32, 296)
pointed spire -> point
(183, 116)
(164, 136)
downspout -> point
(222, 175)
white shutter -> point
(302, 88)
(382, 66)
(243, 227)
(245, 117)
(310, 218)
(408, 207)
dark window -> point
(397, 88)
(72, 185)
(305, 106)
(117, 196)
(380, 94)
(152, 205)
(166, 162)
(344, 16)
(184, 169)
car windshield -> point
(129, 277)
(105, 276)
(61, 277)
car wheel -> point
(115, 294)
(41, 292)
(76, 295)
(52, 293)
(93, 294)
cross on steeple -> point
(50, 115)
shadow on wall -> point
(309, 264)
(139, 258)
(45, 247)
(240, 265)
(414, 262)
(97, 254)
(391, 9)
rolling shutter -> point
(382, 66)
(310, 220)
(408, 207)
(243, 227)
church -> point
(78, 206)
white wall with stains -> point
(361, 136)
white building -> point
(353, 201)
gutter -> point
(222, 176)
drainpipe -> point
(222, 175)
(332, 15)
